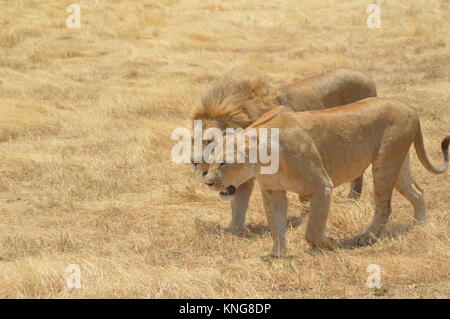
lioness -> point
(236, 104)
(319, 150)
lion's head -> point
(225, 174)
(232, 104)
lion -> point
(320, 150)
(237, 104)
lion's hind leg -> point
(406, 186)
(385, 170)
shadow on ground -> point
(251, 230)
(391, 232)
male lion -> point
(319, 150)
(234, 104)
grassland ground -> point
(85, 172)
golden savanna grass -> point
(86, 177)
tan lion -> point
(320, 150)
(236, 104)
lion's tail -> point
(422, 155)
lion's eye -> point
(204, 174)
(223, 164)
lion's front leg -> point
(239, 205)
(319, 207)
(275, 205)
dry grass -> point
(85, 122)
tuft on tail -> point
(422, 155)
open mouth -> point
(229, 191)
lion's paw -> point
(327, 243)
(278, 253)
(330, 243)
(236, 230)
(365, 238)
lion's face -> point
(200, 164)
(226, 173)
(226, 177)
